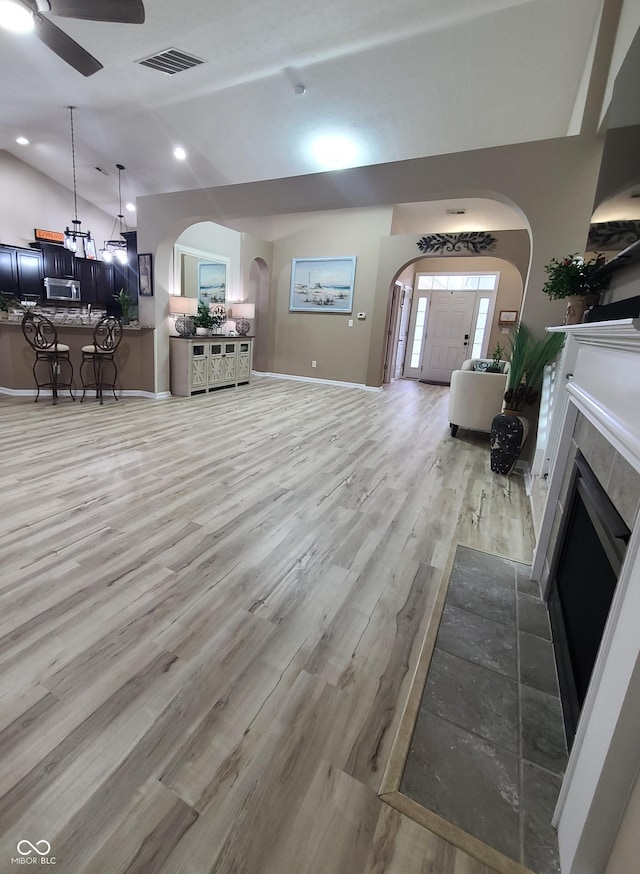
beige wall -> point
(341, 352)
(32, 200)
(551, 183)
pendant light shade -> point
(116, 249)
(76, 237)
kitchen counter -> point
(134, 356)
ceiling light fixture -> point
(117, 248)
(130, 206)
(71, 237)
(333, 152)
(22, 141)
(15, 17)
(179, 153)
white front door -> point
(448, 333)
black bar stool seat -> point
(99, 358)
(42, 336)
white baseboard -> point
(337, 382)
(46, 393)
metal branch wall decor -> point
(613, 236)
(475, 243)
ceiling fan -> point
(33, 15)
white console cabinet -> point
(200, 364)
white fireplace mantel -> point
(600, 370)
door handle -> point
(466, 336)
(465, 343)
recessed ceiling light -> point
(179, 153)
(334, 152)
(131, 207)
(22, 141)
(15, 17)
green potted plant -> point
(578, 281)
(497, 354)
(203, 320)
(124, 299)
(4, 307)
(509, 429)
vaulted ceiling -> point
(402, 80)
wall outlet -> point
(314, 363)
(351, 323)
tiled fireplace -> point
(597, 419)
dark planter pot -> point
(508, 432)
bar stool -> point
(107, 335)
(42, 336)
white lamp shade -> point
(186, 306)
(243, 310)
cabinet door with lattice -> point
(216, 372)
(229, 362)
(198, 367)
(243, 362)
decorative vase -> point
(577, 305)
(202, 332)
(509, 430)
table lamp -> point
(183, 309)
(242, 312)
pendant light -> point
(117, 248)
(71, 237)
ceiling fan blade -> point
(118, 11)
(65, 47)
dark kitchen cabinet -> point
(58, 262)
(20, 271)
(96, 281)
(8, 270)
(30, 272)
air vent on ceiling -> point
(171, 61)
(456, 211)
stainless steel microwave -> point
(62, 289)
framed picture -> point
(322, 285)
(212, 282)
(508, 317)
(145, 285)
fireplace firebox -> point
(591, 550)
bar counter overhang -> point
(135, 358)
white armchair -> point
(476, 396)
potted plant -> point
(124, 299)
(203, 320)
(580, 282)
(497, 355)
(4, 307)
(509, 429)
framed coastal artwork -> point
(322, 285)
(212, 282)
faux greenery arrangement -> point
(573, 275)
(497, 355)
(203, 318)
(4, 304)
(124, 299)
(529, 357)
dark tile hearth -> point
(488, 749)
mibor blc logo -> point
(33, 854)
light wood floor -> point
(210, 611)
